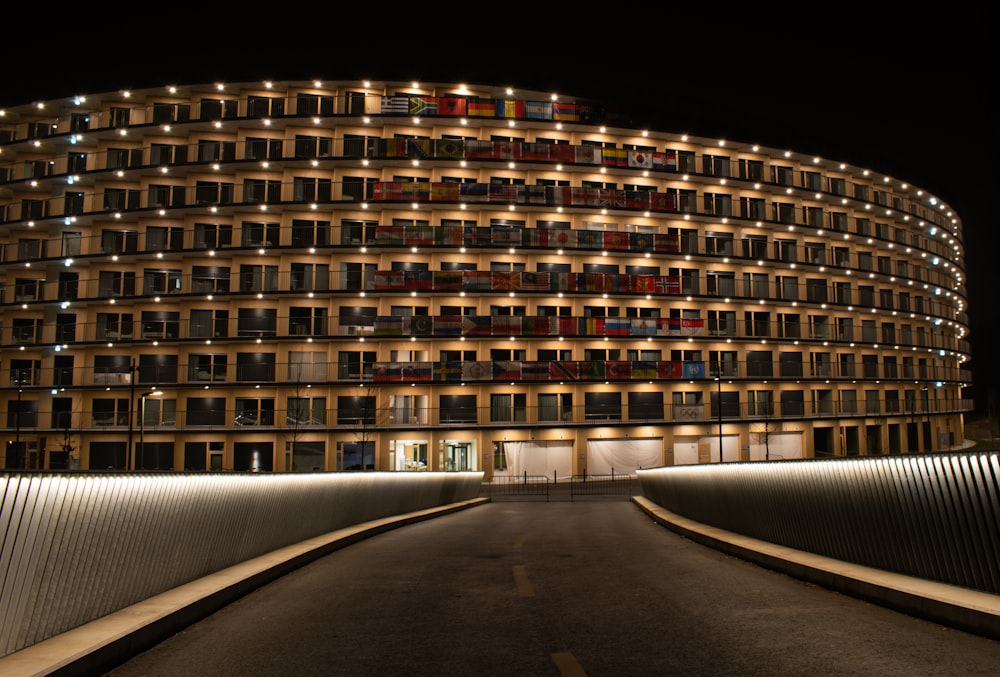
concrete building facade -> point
(303, 276)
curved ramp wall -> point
(79, 546)
(932, 516)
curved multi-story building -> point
(338, 275)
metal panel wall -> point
(76, 547)
(932, 516)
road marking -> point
(568, 665)
(524, 588)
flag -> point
(614, 157)
(534, 371)
(448, 371)
(477, 371)
(476, 149)
(503, 193)
(564, 371)
(387, 190)
(665, 161)
(510, 109)
(448, 325)
(452, 149)
(693, 370)
(662, 202)
(671, 370)
(448, 280)
(535, 152)
(618, 370)
(388, 326)
(473, 192)
(538, 110)
(535, 281)
(640, 158)
(418, 148)
(506, 150)
(444, 191)
(507, 370)
(395, 105)
(590, 155)
(423, 105)
(565, 111)
(451, 105)
(481, 108)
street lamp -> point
(718, 379)
(142, 419)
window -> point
(216, 151)
(457, 408)
(264, 106)
(156, 281)
(254, 411)
(209, 279)
(720, 283)
(792, 403)
(118, 241)
(816, 290)
(24, 330)
(209, 324)
(645, 406)
(258, 278)
(309, 147)
(158, 411)
(759, 364)
(113, 283)
(110, 412)
(309, 277)
(307, 321)
(255, 367)
(787, 287)
(114, 326)
(603, 406)
(257, 234)
(755, 247)
(555, 407)
(159, 238)
(257, 322)
(306, 233)
(306, 411)
(158, 325)
(213, 192)
(306, 366)
(154, 369)
(789, 325)
(757, 323)
(720, 244)
(755, 285)
(506, 407)
(207, 367)
(308, 189)
(355, 365)
(722, 322)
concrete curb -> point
(961, 608)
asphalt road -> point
(582, 589)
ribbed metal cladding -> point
(76, 547)
(933, 516)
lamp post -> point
(18, 381)
(142, 420)
(718, 379)
(129, 451)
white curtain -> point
(551, 459)
(623, 456)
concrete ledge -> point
(98, 646)
(965, 609)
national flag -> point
(506, 150)
(415, 190)
(419, 149)
(444, 191)
(591, 114)
(535, 281)
(531, 195)
(568, 112)
(535, 152)
(564, 371)
(590, 239)
(448, 325)
(387, 190)
(616, 240)
(448, 280)
(640, 159)
(506, 236)
(507, 370)
(504, 193)
(481, 108)
(423, 105)
(477, 280)
(640, 242)
(668, 370)
(395, 105)
(420, 280)
(538, 110)
(449, 149)
(473, 192)
(665, 161)
(636, 199)
(390, 235)
(416, 371)
(504, 281)
(643, 326)
(448, 371)
(510, 109)
(666, 243)
(562, 152)
(617, 326)
(478, 150)
(614, 157)
(534, 371)
(591, 326)
(589, 155)
(558, 195)
(662, 202)
(388, 326)
(451, 105)
(389, 280)
(593, 370)
(643, 284)
(618, 370)
(644, 369)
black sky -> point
(904, 97)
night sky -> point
(907, 98)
